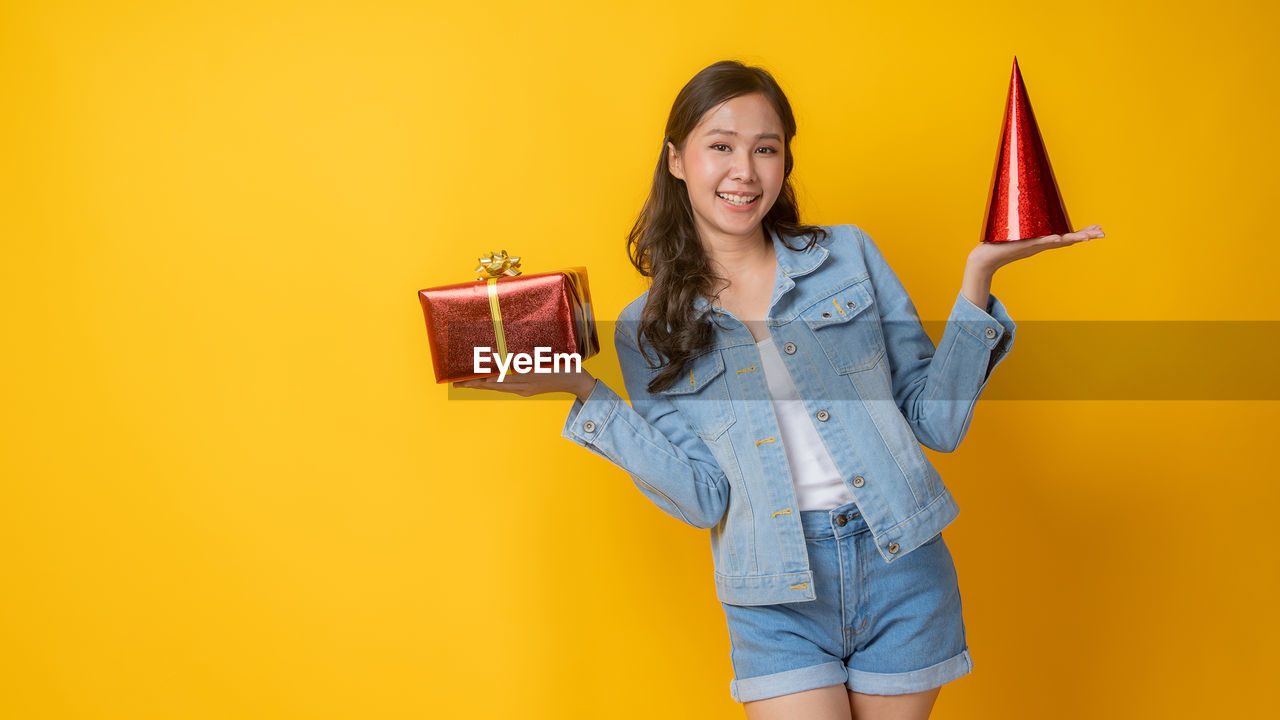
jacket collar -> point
(791, 264)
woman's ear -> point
(674, 165)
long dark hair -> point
(664, 242)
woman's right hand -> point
(579, 384)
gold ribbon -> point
(490, 269)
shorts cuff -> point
(788, 681)
(910, 682)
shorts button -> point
(991, 332)
(858, 481)
(589, 426)
(823, 415)
(789, 348)
(893, 547)
(842, 520)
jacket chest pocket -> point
(702, 395)
(846, 328)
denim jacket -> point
(708, 450)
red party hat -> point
(1024, 199)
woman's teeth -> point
(737, 199)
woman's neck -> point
(736, 258)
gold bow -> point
(500, 265)
(491, 268)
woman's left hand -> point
(995, 255)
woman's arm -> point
(936, 387)
(649, 438)
(583, 389)
(976, 287)
(651, 441)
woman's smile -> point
(738, 203)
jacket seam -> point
(941, 496)
(589, 439)
(687, 462)
(640, 479)
(827, 391)
(756, 528)
(746, 496)
(877, 421)
(940, 379)
(984, 317)
(832, 289)
(761, 577)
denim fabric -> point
(707, 449)
(876, 628)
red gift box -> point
(510, 313)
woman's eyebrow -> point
(718, 131)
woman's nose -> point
(741, 169)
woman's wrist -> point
(585, 387)
(976, 287)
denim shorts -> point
(876, 627)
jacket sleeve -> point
(651, 441)
(937, 388)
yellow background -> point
(232, 488)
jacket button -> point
(852, 304)
(826, 315)
(823, 415)
(841, 520)
(789, 348)
(858, 481)
(991, 332)
(893, 547)
(589, 426)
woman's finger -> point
(1089, 233)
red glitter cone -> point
(1024, 199)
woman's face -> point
(736, 149)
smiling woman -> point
(726, 166)
(781, 386)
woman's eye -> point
(772, 151)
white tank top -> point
(817, 481)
